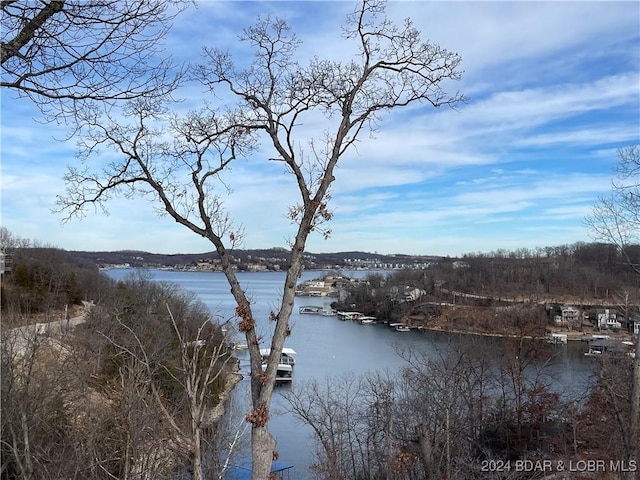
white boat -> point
(239, 345)
(317, 310)
(402, 328)
(284, 373)
(314, 309)
(349, 315)
(365, 320)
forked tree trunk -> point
(263, 444)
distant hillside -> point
(269, 257)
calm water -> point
(328, 347)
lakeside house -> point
(329, 286)
(633, 324)
(606, 319)
(407, 294)
(570, 317)
(413, 294)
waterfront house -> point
(632, 325)
(571, 317)
(413, 294)
(607, 319)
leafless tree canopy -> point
(435, 418)
(615, 218)
(60, 52)
(179, 161)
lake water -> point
(326, 346)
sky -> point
(553, 92)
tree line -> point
(44, 281)
(569, 274)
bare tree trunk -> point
(263, 446)
(196, 461)
(263, 443)
(426, 451)
(634, 427)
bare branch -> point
(61, 53)
(615, 218)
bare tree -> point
(9, 241)
(626, 299)
(447, 406)
(616, 220)
(38, 386)
(170, 357)
(61, 52)
(393, 69)
(200, 366)
(333, 410)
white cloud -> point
(616, 133)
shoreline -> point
(571, 336)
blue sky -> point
(553, 88)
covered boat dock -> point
(279, 470)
